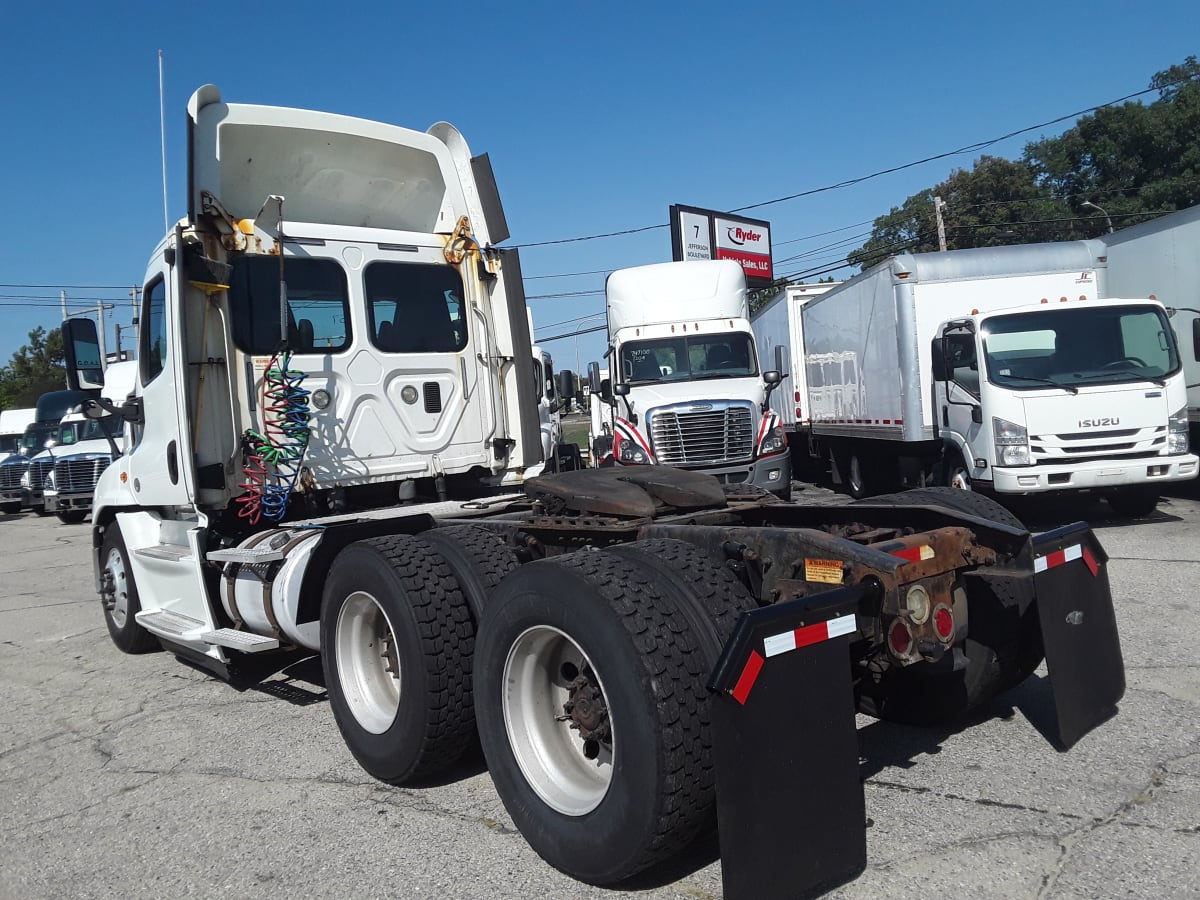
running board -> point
(169, 552)
(245, 641)
(172, 625)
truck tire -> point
(590, 685)
(478, 558)
(1133, 502)
(396, 647)
(119, 596)
(71, 516)
(955, 473)
(10, 509)
(968, 502)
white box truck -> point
(1161, 259)
(996, 368)
(688, 390)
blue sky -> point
(597, 117)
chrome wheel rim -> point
(118, 609)
(368, 665)
(570, 773)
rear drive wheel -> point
(590, 686)
(478, 558)
(396, 647)
(119, 596)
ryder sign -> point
(708, 234)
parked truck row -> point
(998, 368)
(620, 639)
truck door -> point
(956, 386)
(160, 466)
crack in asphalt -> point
(979, 801)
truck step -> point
(172, 624)
(240, 640)
(247, 555)
(171, 552)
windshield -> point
(89, 430)
(678, 359)
(9, 443)
(35, 437)
(1098, 345)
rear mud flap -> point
(790, 805)
(1079, 630)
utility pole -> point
(937, 211)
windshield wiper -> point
(1058, 384)
(1161, 382)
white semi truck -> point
(13, 423)
(996, 368)
(621, 640)
(1161, 258)
(688, 390)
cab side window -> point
(152, 353)
(961, 361)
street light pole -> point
(1088, 204)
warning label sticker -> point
(828, 571)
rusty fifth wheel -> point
(589, 687)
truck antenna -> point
(162, 134)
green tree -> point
(33, 370)
(1134, 160)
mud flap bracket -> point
(1079, 629)
(790, 805)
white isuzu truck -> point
(997, 368)
(688, 391)
(1161, 259)
(330, 334)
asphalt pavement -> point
(139, 776)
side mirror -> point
(781, 361)
(50, 444)
(977, 415)
(772, 377)
(594, 377)
(605, 390)
(622, 389)
(1196, 338)
(81, 347)
(554, 407)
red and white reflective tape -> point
(625, 430)
(809, 634)
(1066, 555)
(914, 554)
(789, 640)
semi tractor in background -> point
(1161, 258)
(617, 637)
(13, 423)
(22, 475)
(996, 368)
(686, 388)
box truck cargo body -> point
(1161, 258)
(996, 368)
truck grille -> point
(1124, 443)
(38, 470)
(78, 473)
(11, 471)
(686, 436)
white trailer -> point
(1161, 259)
(996, 368)
(616, 638)
(688, 389)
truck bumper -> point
(774, 473)
(61, 502)
(1095, 475)
(14, 495)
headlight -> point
(1012, 443)
(1177, 433)
(632, 454)
(774, 441)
